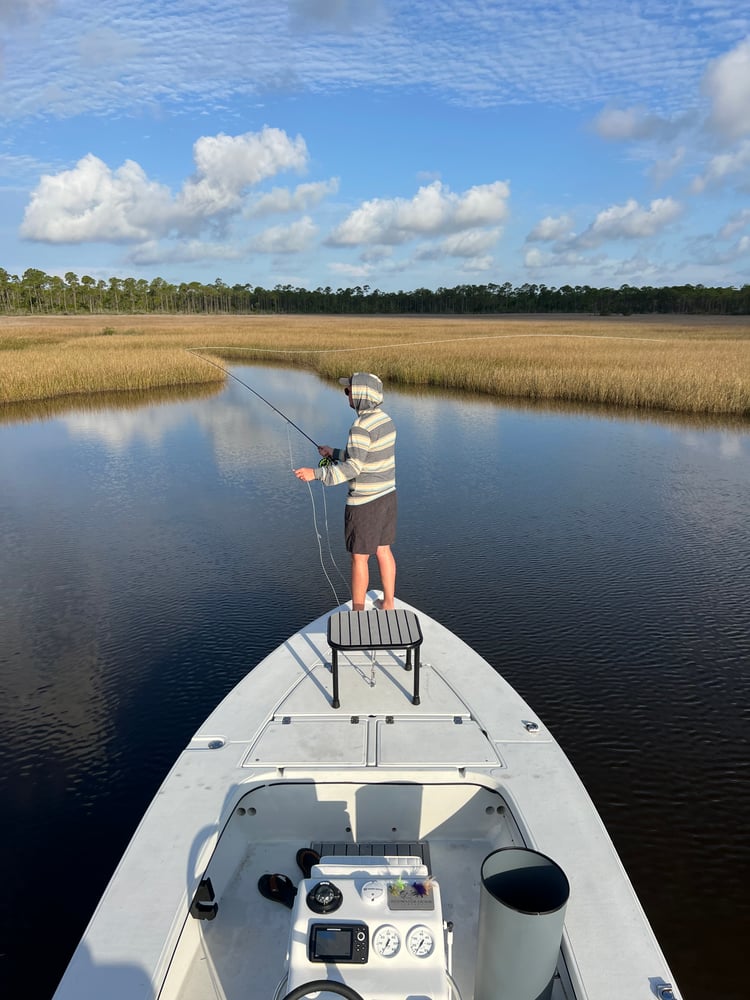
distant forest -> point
(38, 293)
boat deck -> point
(276, 767)
(227, 964)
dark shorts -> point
(369, 525)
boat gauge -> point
(386, 941)
(420, 942)
(373, 891)
(324, 897)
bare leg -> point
(387, 567)
(360, 580)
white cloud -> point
(629, 221)
(550, 229)
(303, 198)
(536, 259)
(286, 239)
(351, 270)
(724, 166)
(92, 202)
(528, 52)
(433, 211)
(633, 123)
(473, 244)
(727, 83)
(156, 253)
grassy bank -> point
(691, 366)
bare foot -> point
(380, 606)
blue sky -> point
(390, 143)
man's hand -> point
(306, 475)
(325, 451)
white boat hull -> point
(274, 768)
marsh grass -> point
(668, 364)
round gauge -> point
(372, 892)
(419, 941)
(386, 941)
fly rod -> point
(255, 393)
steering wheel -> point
(318, 985)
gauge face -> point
(372, 891)
(420, 942)
(386, 941)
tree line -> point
(35, 292)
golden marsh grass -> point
(688, 365)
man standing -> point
(368, 464)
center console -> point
(375, 924)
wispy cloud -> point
(138, 53)
(724, 167)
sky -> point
(390, 144)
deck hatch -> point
(434, 741)
(294, 742)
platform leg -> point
(408, 659)
(415, 699)
(335, 703)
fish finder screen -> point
(333, 943)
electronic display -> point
(338, 943)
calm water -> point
(150, 554)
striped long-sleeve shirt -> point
(368, 463)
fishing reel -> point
(325, 462)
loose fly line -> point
(324, 461)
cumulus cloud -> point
(92, 202)
(472, 244)
(727, 84)
(434, 211)
(629, 221)
(551, 229)
(536, 259)
(301, 199)
(286, 239)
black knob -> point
(324, 897)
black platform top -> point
(374, 630)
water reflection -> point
(47, 409)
